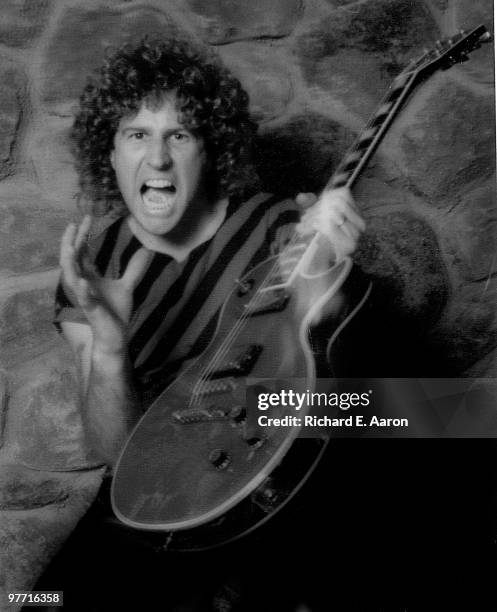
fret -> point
(350, 165)
(395, 93)
(384, 109)
(378, 120)
(339, 180)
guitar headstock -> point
(446, 53)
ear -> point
(113, 159)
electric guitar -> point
(198, 470)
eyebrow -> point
(125, 130)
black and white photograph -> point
(248, 322)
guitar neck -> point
(365, 145)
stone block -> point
(301, 154)
(467, 234)
(400, 252)
(391, 27)
(467, 332)
(472, 13)
(226, 21)
(67, 65)
(30, 231)
(449, 143)
(25, 321)
(263, 72)
(22, 21)
(23, 489)
(386, 34)
(30, 536)
(48, 151)
(13, 103)
(44, 427)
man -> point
(163, 137)
(163, 140)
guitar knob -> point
(239, 415)
(255, 442)
(219, 458)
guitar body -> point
(198, 464)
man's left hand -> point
(335, 215)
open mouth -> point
(158, 195)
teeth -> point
(158, 183)
(158, 203)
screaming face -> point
(160, 170)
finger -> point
(67, 255)
(82, 233)
(84, 294)
(67, 243)
(305, 200)
(350, 230)
(136, 267)
(341, 200)
(318, 218)
(345, 213)
(354, 218)
(343, 245)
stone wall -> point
(315, 70)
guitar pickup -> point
(202, 415)
(240, 366)
(270, 301)
(216, 387)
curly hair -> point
(209, 100)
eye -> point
(136, 135)
(180, 136)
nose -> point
(158, 154)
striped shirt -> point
(175, 304)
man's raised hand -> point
(107, 303)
